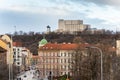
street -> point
(31, 74)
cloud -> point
(107, 15)
(26, 21)
(96, 13)
(105, 2)
(44, 7)
(67, 8)
(47, 12)
(110, 15)
(42, 10)
(97, 2)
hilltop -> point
(31, 40)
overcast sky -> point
(35, 15)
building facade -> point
(56, 58)
(9, 48)
(3, 52)
(72, 26)
(118, 47)
(22, 56)
(35, 61)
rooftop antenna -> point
(43, 35)
(15, 28)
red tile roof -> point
(64, 46)
(17, 44)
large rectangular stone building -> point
(71, 26)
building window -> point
(18, 53)
(18, 56)
(61, 60)
(14, 53)
(14, 60)
(55, 54)
(47, 54)
(52, 54)
(61, 54)
(65, 54)
(18, 49)
(14, 56)
(55, 60)
(58, 55)
(64, 60)
(65, 67)
(61, 67)
(69, 61)
(18, 63)
(18, 59)
(44, 54)
(52, 66)
(14, 49)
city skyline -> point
(31, 15)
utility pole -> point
(10, 59)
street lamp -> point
(101, 54)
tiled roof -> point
(63, 46)
(68, 46)
(17, 44)
(50, 46)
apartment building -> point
(9, 48)
(71, 26)
(21, 55)
(17, 55)
(3, 52)
(56, 58)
